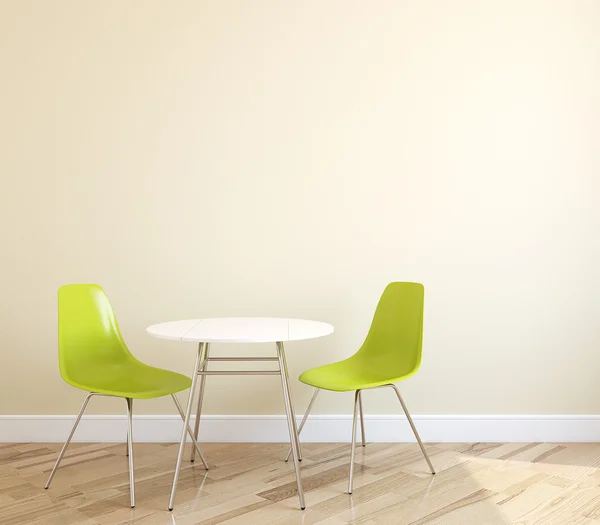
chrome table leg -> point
(200, 399)
(186, 423)
(304, 418)
(291, 420)
(190, 432)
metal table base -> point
(202, 360)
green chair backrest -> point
(88, 333)
(394, 341)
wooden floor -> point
(476, 484)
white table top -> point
(240, 330)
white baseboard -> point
(325, 428)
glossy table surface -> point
(240, 330)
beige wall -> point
(291, 158)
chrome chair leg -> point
(199, 409)
(362, 419)
(414, 429)
(304, 418)
(291, 421)
(64, 448)
(129, 402)
(196, 447)
(356, 398)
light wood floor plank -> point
(250, 484)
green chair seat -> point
(131, 379)
(355, 373)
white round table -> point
(240, 330)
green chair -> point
(391, 352)
(93, 357)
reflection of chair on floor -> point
(390, 353)
(93, 357)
